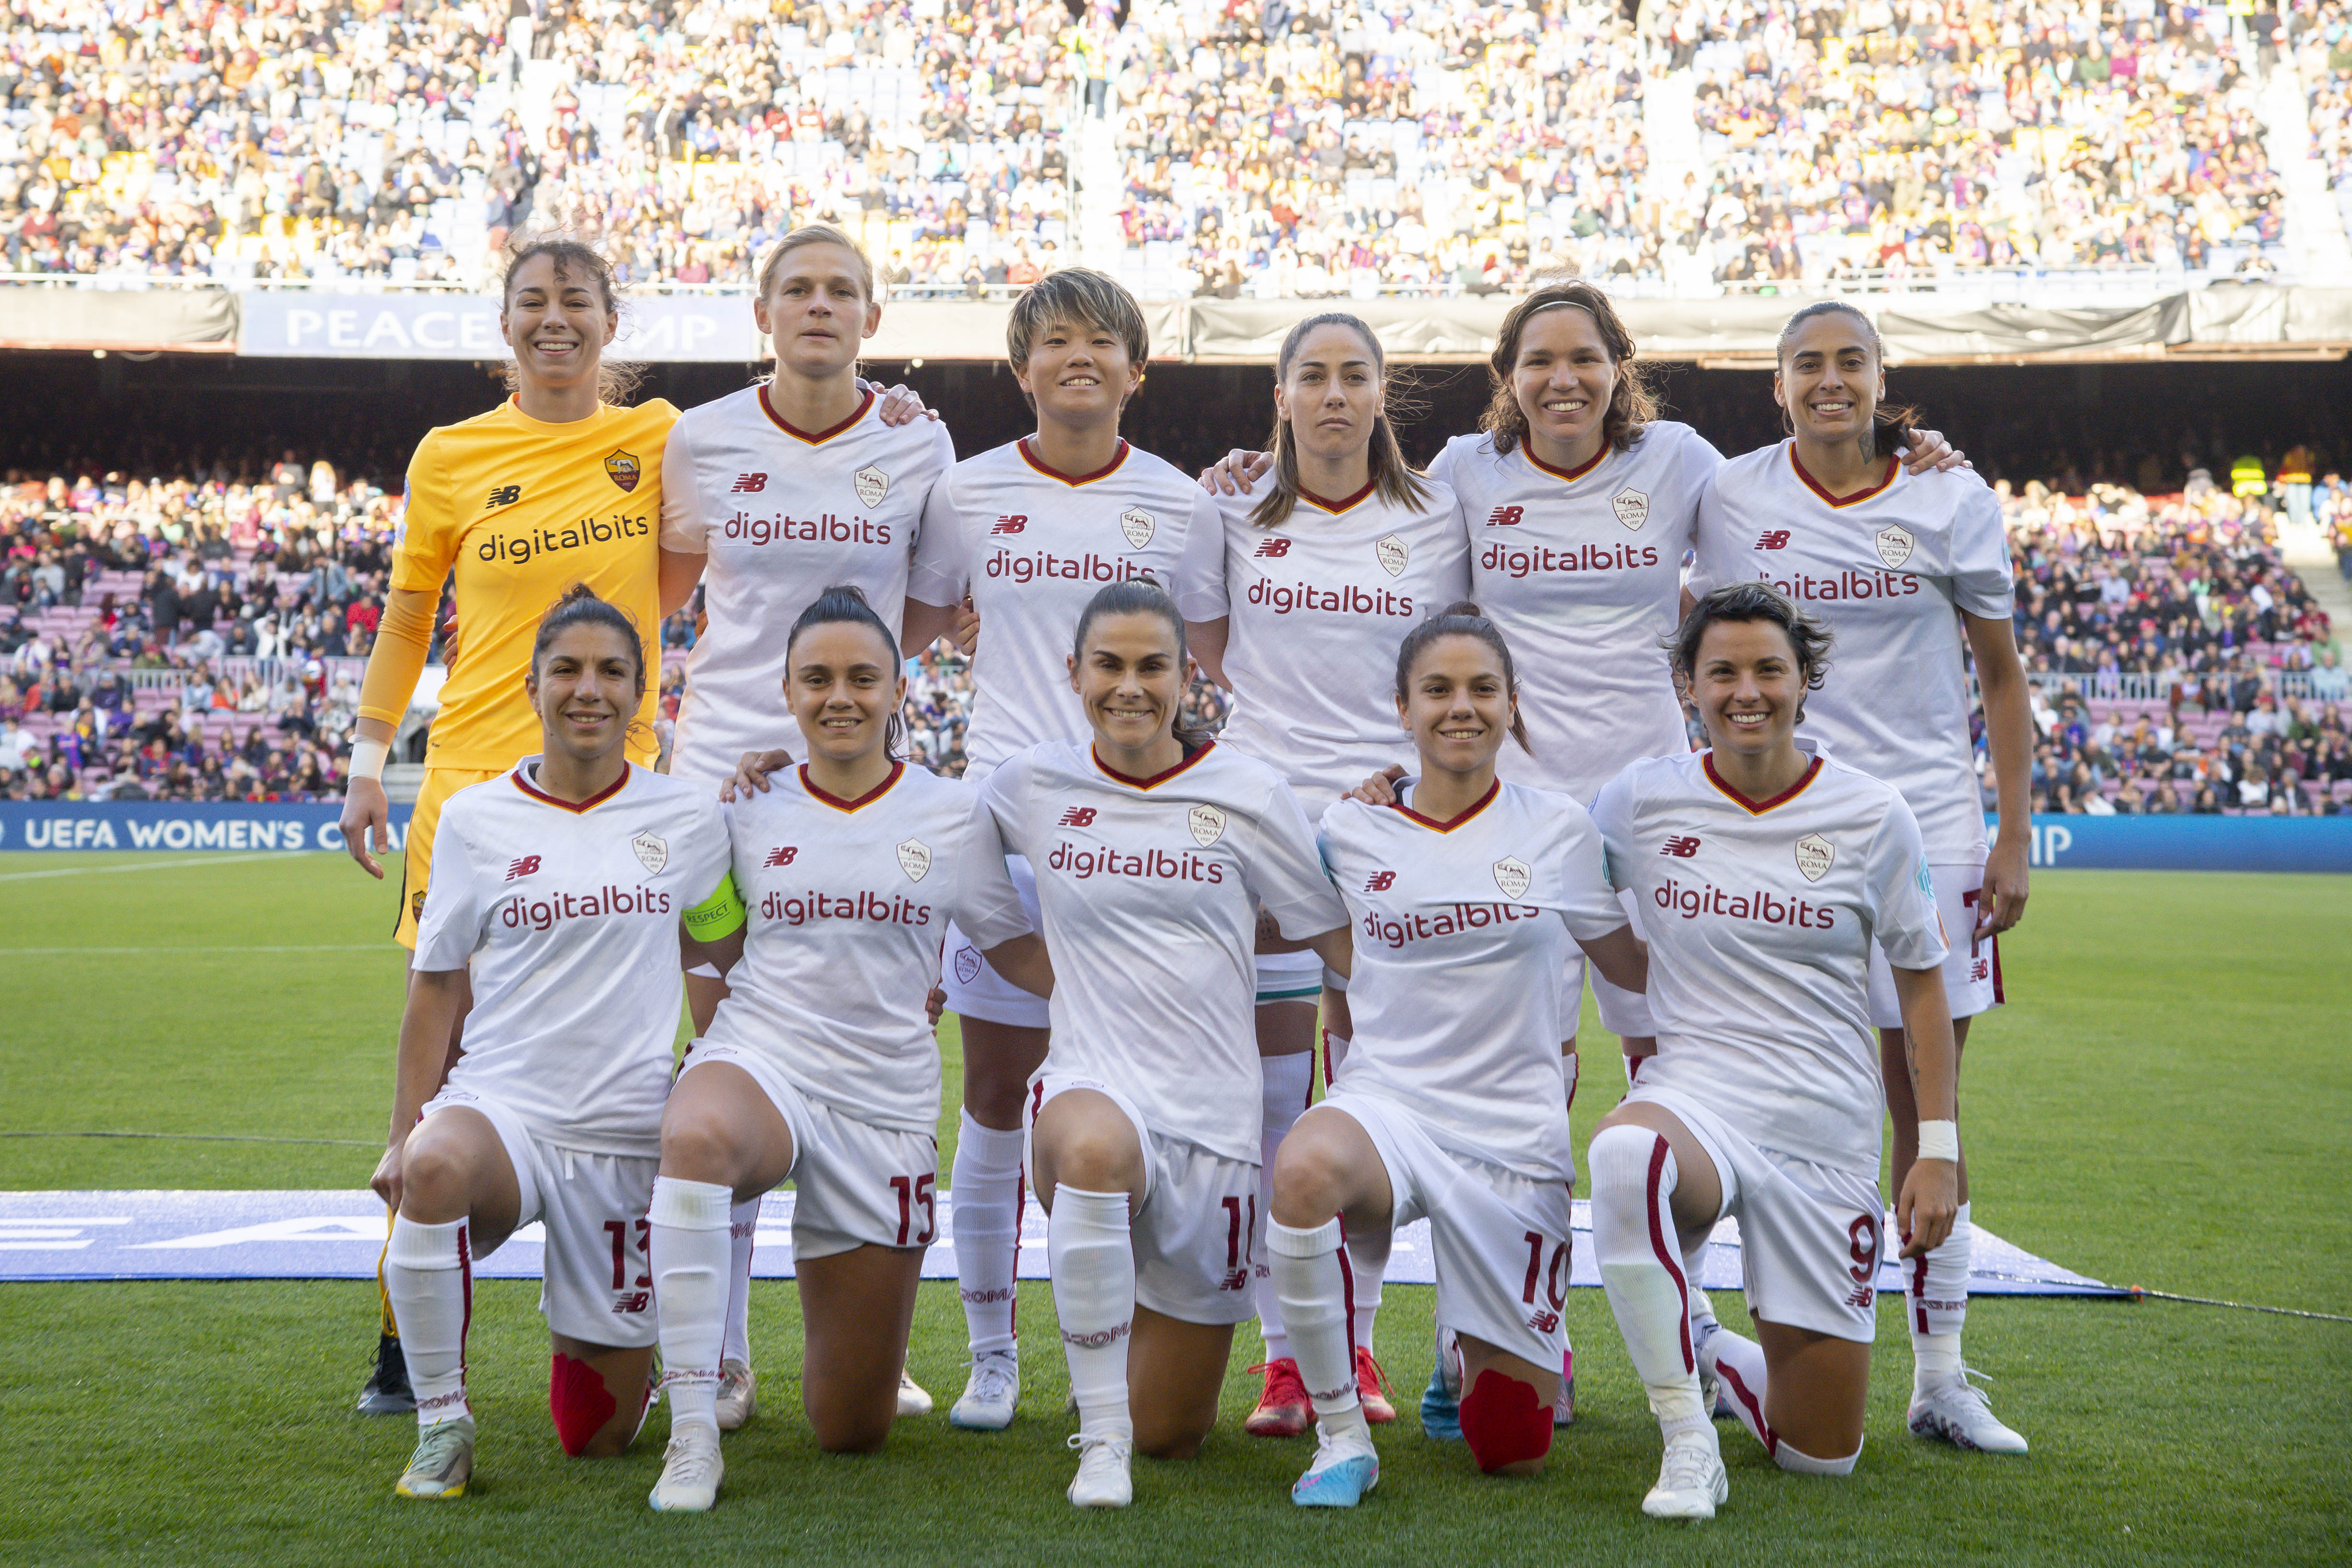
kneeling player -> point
(1768, 872)
(1466, 893)
(561, 885)
(1153, 850)
(820, 1065)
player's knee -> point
(434, 1179)
(582, 1407)
(1507, 1428)
(860, 1431)
(693, 1148)
(1092, 1158)
(1788, 1457)
(1308, 1176)
(1177, 1439)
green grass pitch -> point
(2167, 1100)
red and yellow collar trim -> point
(868, 798)
(1335, 507)
(1759, 807)
(1436, 826)
(1104, 472)
(577, 808)
(1156, 780)
(1566, 476)
(822, 436)
(1893, 463)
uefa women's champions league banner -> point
(245, 826)
(2193, 843)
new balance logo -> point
(1013, 525)
(780, 857)
(505, 495)
(1078, 816)
(636, 1302)
(1544, 1323)
(1267, 548)
(526, 867)
(1506, 516)
(1380, 881)
(1859, 1296)
(1773, 539)
(748, 484)
(1680, 848)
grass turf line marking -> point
(204, 1138)
(140, 866)
(2137, 1291)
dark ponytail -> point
(845, 604)
(1461, 619)
(1141, 595)
(1894, 424)
(580, 607)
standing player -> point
(1912, 572)
(1323, 573)
(560, 887)
(1772, 872)
(1154, 852)
(1030, 532)
(820, 1064)
(1465, 894)
(768, 495)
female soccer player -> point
(820, 1064)
(1343, 551)
(560, 887)
(1154, 852)
(1771, 872)
(1465, 895)
(1911, 571)
(768, 495)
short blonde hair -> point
(816, 234)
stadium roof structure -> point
(2225, 321)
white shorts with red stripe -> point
(1972, 968)
(1809, 1233)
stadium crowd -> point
(202, 638)
(1287, 146)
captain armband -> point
(720, 914)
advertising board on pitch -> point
(283, 324)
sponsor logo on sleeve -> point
(1814, 853)
(1894, 543)
(1391, 555)
(871, 485)
(1632, 507)
(915, 859)
(623, 469)
(1513, 876)
(1682, 846)
(967, 964)
(651, 852)
(1136, 523)
(1207, 823)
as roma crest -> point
(1894, 544)
(1391, 555)
(967, 964)
(1814, 855)
(651, 852)
(1136, 523)
(915, 859)
(1512, 875)
(623, 469)
(1207, 823)
(1632, 507)
(871, 484)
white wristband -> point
(368, 758)
(1939, 1140)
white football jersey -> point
(568, 916)
(1318, 605)
(1582, 571)
(782, 515)
(1458, 990)
(1760, 917)
(1888, 569)
(1031, 547)
(1147, 889)
(845, 904)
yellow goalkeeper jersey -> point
(522, 510)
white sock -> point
(1935, 1290)
(1787, 1459)
(1367, 1264)
(688, 1247)
(1738, 1361)
(1090, 1253)
(742, 1223)
(1633, 1177)
(987, 1217)
(428, 1273)
(1289, 1084)
(1307, 1272)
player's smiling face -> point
(1830, 381)
(843, 681)
(1130, 677)
(1563, 380)
(557, 322)
(1457, 705)
(815, 311)
(1079, 373)
(1332, 395)
(585, 688)
(1747, 686)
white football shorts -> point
(856, 1185)
(1809, 1233)
(597, 1283)
(974, 989)
(1200, 1240)
(1971, 969)
(1501, 1238)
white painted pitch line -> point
(141, 866)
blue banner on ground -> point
(2193, 843)
(295, 1235)
(245, 826)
